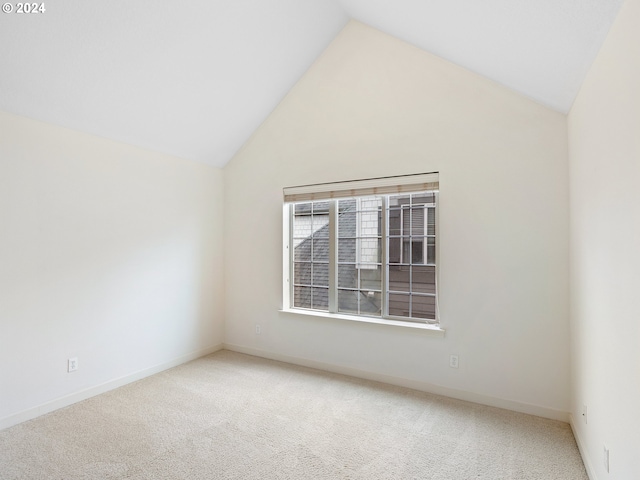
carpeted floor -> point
(233, 416)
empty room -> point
(329, 239)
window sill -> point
(427, 328)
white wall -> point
(373, 106)
(107, 252)
(604, 144)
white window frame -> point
(383, 187)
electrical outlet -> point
(584, 413)
(258, 329)
(453, 361)
(72, 364)
(605, 458)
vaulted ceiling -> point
(195, 79)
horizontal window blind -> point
(362, 188)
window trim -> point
(428, 328)
(326, 193)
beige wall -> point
(604, 141)
(107, 252)
(373, 106)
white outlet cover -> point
(72, 364)
(453, 361)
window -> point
(364, 248)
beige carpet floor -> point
(233, 416)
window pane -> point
(370, 250)
(417, 221)
(406, 250)
(347, 218)
(399, 304)
(370, 303)
(303, 208)
(406, 221)
(320, 249)
(371, 277)
(399, 200)
(348, 204)
(302, 227)
(320, 299)
(302, 273)
(310, 220)
(320, 227)
(347, 276)
(431, 221)
(394, 223)
(417, 250)
(423, 307)
(399, 278)
(347, 224)
(346, 250)
(321, 208)
(423, 199)
(348, 301)
(369, 224)
(321, 274)
(423, 279)
(359, 302)
(370, 217)
(302, 297)
(431, 250)
(302, 252)
(320, 221)
(370, 204)
(395, 250)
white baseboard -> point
(75, 397)
(405, 382)
(306, 362)
(581, 447)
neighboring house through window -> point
(364, 248)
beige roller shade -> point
(361, 188)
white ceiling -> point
(539, 48)
(195, 79)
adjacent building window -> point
(365, 248)
(411, 265)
